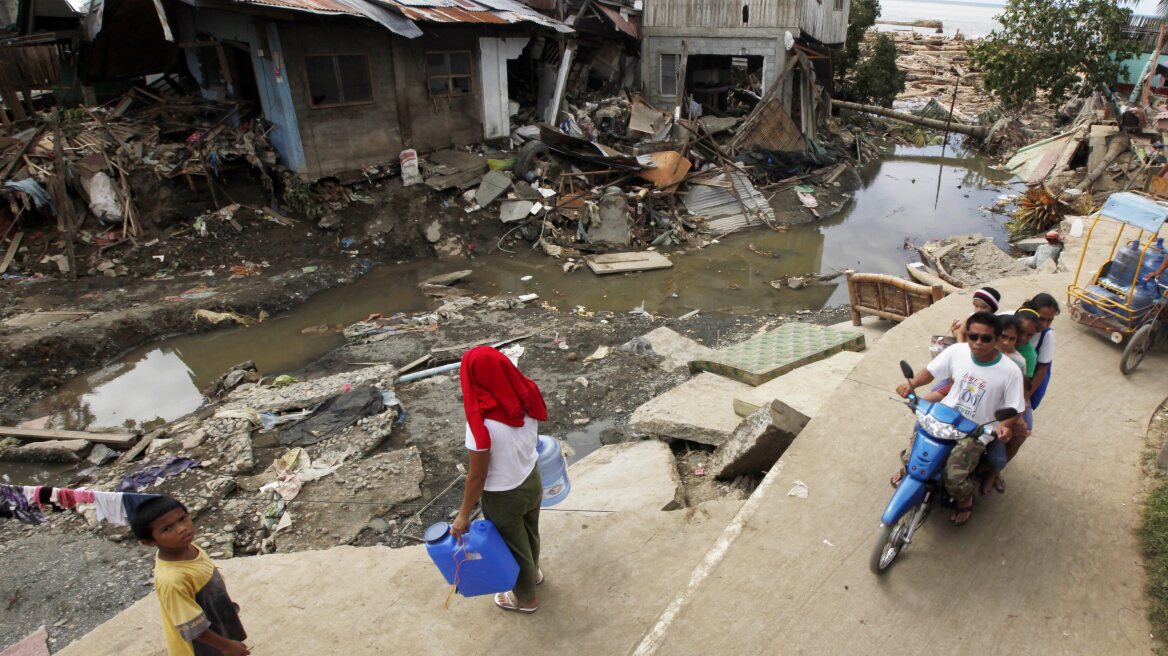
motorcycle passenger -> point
(983, 381)
(1047, 308)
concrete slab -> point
(676, 349)
(608, 577)
(758, 442)
(804, 389)
(774, 353)
(493, 185)
(699, 410)
(48, 451)
(624, 477)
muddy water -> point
(912, 195)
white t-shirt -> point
(513, 453)
(978, 389)
(1046, 353)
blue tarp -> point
(1136, 210)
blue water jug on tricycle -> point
(938, 430)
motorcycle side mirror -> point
(1002, 414)
(906, 370)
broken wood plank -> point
(627, 262)
(112, 439)
(140, 447)
(11, 253)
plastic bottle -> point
(481, 564)
(553, 471)
(1153, 258)
(1077, 227)
(1123, 267)
(1098, 292)
(1142, 298)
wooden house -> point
(715, 42)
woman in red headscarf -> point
(502, 410)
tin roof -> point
(402, 13)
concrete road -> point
(1050, 567)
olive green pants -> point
(516, 514)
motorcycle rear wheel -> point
(890, 541)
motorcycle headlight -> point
(938, 429)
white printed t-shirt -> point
(513, 453)
(978, 389)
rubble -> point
(758, 442)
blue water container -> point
(1153, 258)
(1098, 292)
(481, 565)
(1142, 298)
(553, 470)
(1123, 267)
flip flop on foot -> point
(897, 477)
(1000, 485)
(507, 601)
(538, 576)
(961, 514)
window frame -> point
(661, 74)
(838, 5)
(335, 57)
(469, 74)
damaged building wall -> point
(347, 121)
(826, 21)
(658, 47)
(441, 119)
(261, 38)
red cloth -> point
(492, 388)
(67, 498)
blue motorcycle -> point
(939, 427)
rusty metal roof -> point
(619, 22)
(495, 12)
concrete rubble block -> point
(492, 186)
(758, 442)
(100, 455)
(623, 477)
(48, 451)
(804, 389)
(446, 278)
(699, 410)
(676, 349)
(511, 211)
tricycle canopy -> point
(1136, 210)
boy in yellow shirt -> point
(198, 617)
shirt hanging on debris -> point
(333, 416)
(141, 479)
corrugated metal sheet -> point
(494, 12)
(310, 6)
(718, 202)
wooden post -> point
(938, 293)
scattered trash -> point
(144, 478)
(699, 471)
(799, 490)
(600, 353)
(582, 421)
(409, 167)
(220, 317)
(284, 380)
(582, 381)
(828, 542)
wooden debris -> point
(123, 440)
(627, 262)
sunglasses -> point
(982, 337)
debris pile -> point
(621, 175)
(89, 175)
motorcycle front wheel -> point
(890, 540)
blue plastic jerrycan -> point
(553, 471)
(481, 565)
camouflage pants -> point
(958, 475)
(963, 459)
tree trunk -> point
(976, 131)
(1118, 146)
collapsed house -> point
(344, 83)
(704, 51)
